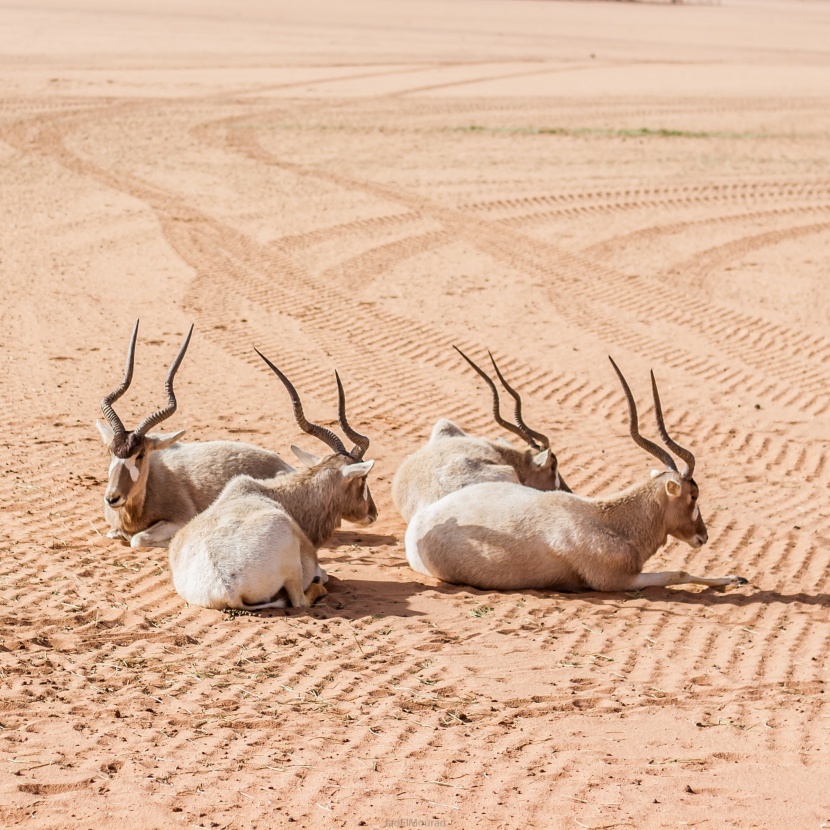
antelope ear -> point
(307, 458)
(160, 440)
(360, 469)
(655, 473)
(446, 429)
(673, 487)
(106, 432)
(543, 459)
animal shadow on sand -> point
(355, 598)
(358, 539)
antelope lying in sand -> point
(157, 484)
(259, 539)
(452, 459)
(505, 536)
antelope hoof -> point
(315, 591)
(731, 581)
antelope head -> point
(540, 468)
(357, 504)
(683, 519)
(130, 449)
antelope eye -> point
(139, 457)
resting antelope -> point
(505, 536)
(156, 484)
(260, 538)
(452, 459)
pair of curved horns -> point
(325, 435)
(536, 440)
(160, 415)
(650, 446)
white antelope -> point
(156, 483)
(256, 546)
(453, 459)
(505, 536)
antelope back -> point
(450, 460)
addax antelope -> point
(156, 483)
(256, 546)
(505, 536)
(453, 459)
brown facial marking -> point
(126, 445)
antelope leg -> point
(663, 578)
(315, 591)
(155, 536)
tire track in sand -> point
(236, 256)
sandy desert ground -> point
(361, 185)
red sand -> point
(361, 185)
